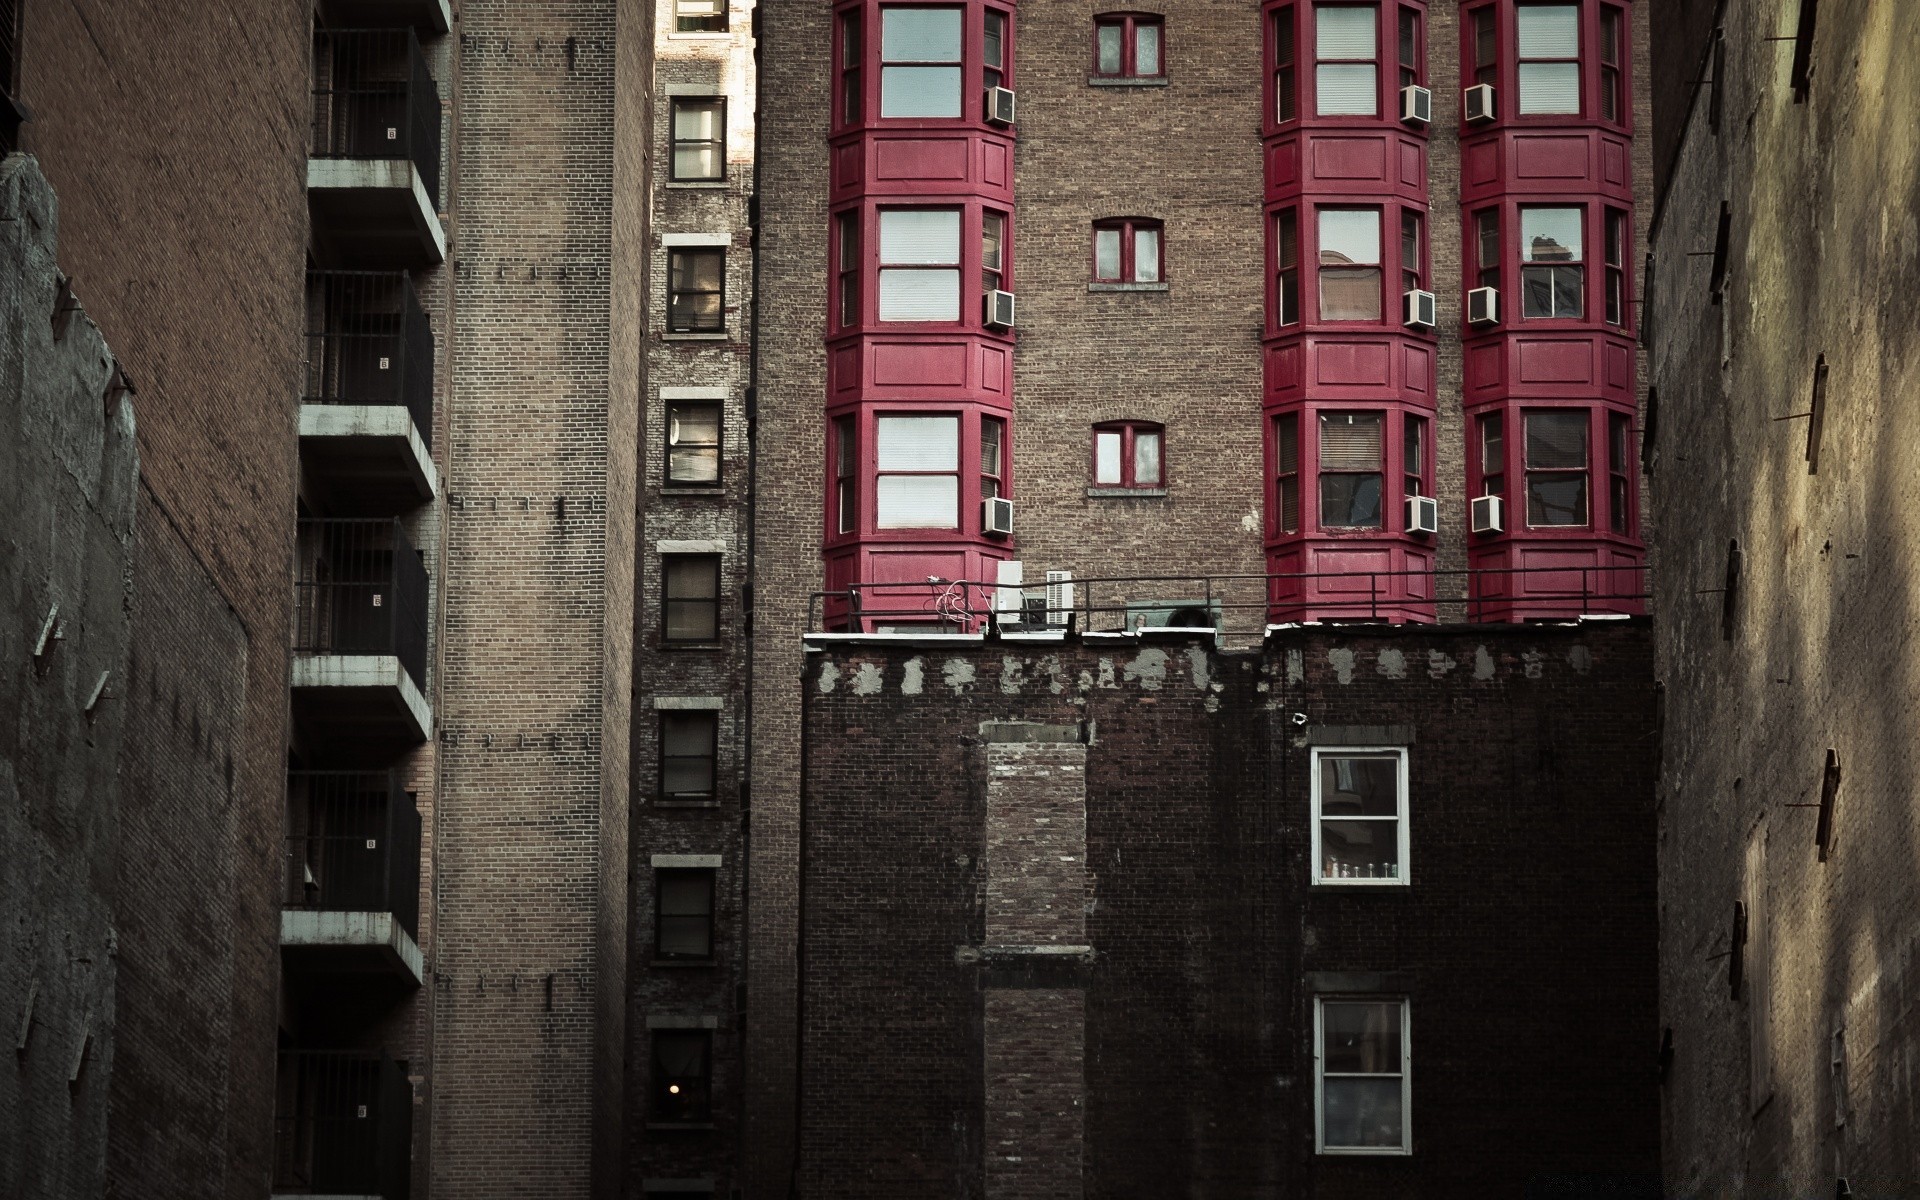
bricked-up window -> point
(1352, 458)
(1346, 70)
(1493, 455)
(696, 290)
(1361, 1047)
(1486, 227)
(1286, 250)
(1486, 46)
(1412, 62)
(1556, 467)
(1128, 46)
(1360, 815)
(1552, 272)
(1349, 264)
(993, 448)
(851, 107)
(692, 592)
(683, 914)
(1412, 250)
(846, 476)
(847, 266)
(993, 49)
(1414, 452)
(917, 485)
(1620, 498)
(1286, 88)
(693, 443)
(682, 1077)
(699, 138)
(1616, 267)
(1286, 467)
(1549, 71)
(1129, 454)
(1613, 100)
(993, 251)
(919, 264)
(689, 744)
(1127, 251)
(699, 16)
(920, 55)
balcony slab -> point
(369, 457)
(374, 212)
(367, 697)
(350, 942)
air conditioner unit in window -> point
(1487, 514)
(1422, 311)
(999, 314)
(1000, 105)
(996, 517)
(1423, 514)
(1476, 103)
(1483, 307)
(1416, 105)
(1059, 597)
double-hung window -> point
(919, 264)
(1619, 435)
(691, 585)
(1553, 274)
(693, 443)
(852, 103)
(1411, 61)
(1413, 449)
(1362, 1048)
(682, 1077)
(1352, 458)
(1549, 59)
(699, 138)
(1486, 45)
(1128, 454)
(1346, 71)
(917, 463)
(689, 745)
(1128, 47)
(921, 50)
(696, 290)
(846, 253)
(1557, 457)
(846, 476)
(1127, 251)
(993, 466)
(1616, 267)
(1286, 256)
(699, 16)
(1613, 101)
(1360, 816)
(1349, 264)
(683, 914)
(1286, 470)
(1286, 95)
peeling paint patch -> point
(1534, 664)
(1342, 663)
(1085, 681)
(1580, 659)
(1296, 666)
(829, 677)
(1392, 664)
(1482, 663)
(867, 679)
(958, 674)
(1013, 675)
(1107, 679)
(913, 677)
(1213, 704)
(1149, 668)
(1440, 665)
(1056, 680)
(1197, 664)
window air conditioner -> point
(1416, 105)
(1423, 514)
(999, 306)
(996, 519)
(1483, 306)
(1422, 311)
(1477, 103)
(1000, 105)
(1059, 597)
(1487, 514)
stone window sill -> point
(696, 337)
(1126, 81)
(1127, 287)
(694, 1126)
(698, 184)
(683, 962)
(686, 804)
(710, 493)
(1113, 493)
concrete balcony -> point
(373, 178)
(366, 416)
(360, 637)
(351, 901)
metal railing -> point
(1237, 603)
(361, 589)
(374, 99)
(369, 342)
(355, 845)
(343, 1124)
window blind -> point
(917, 34)
(1549, 30)
(918, 443)
(914, 294)
(1346, 31)
(920, 91)
(1351, 441)
(918, 501)
(920, 235)
(1556, 440)
(1346, 90)
(1107, 39)
(1549, 87)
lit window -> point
(846, 473)
(1556, 467)
(1493, 469)
(1612, 58)
(1360, 816)
(847, 266)
(993, 445)
(920, 264)
(1549, 57)
(917, 484)
(683, 914)
(689, 743)
(1346, 73)
(920, 55)
(1361, 1053)
(1286, 238)
(1349, 264)
(1552, 274)
(696, 290)
(1127, 252)
(1286, 469)
(1619, 435)
(1128, 47)
(682, 1077)
(1616, 267)
(1286, 99)
(1352, 455)
(692, 593)
(699, 138)
(693, 443)
(700, 16)
(1129, 455)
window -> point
(1556, 467)
(699, 138)
(1128, 455)
(688, 747)
(918, 481)
(1361, 1052)
(1360, 816)
(1286, 237)
(1493, 455)
(1612, 47)
(1286, 466)
(1346, 80)
(692, 607)
(683, 914)
(1414, 452)
(920, 55)
(1486, 47)
(1410, 59)
(1552, 279)
(1286, 99)
(682, 1077)
(993, 443)
(1486, 225)
(693, 443)
(851, 107)
(1128, 47)
(1549, 58)
(993, 51)
(1412, 242)
(846, 468)
(1616, 267)
(920, 264)
(847, 267)
(699, 16)
(1621, 495)
(1349, 264)
(696, 290)
(1127, 252)
(993, 252)
(1352, 455)
(1816, 416)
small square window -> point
(682, 1077)
(699, 138)
(683, 914)
(1129, 455)
(693, 444)
(696, 290)
(689, 747)
(1360, 816)
(1129, 47)
(692, 597)
(699, 16)
(1127, 251)
(1362, 1052)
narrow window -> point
(1549, 58)
(1286, 96)
(1612, 58)
(846, 473)
(696, 290)
(1722, 247)
(1620, 501)
(1486, 225)
(699, 16)
(683, 914)
(1486, 47)
(1650, 431)
(993, 252)
(1759, 976)
(693, 443)
(682, 1077)
(1346, 73)
(1361, 1069)
(1128, 455)
(993, 51)
(1716, 100)
(1412, 249)
(1803, 50)
(1556, 445)
(1352, 455)
(1128, 47)
(1730, 591)
(1493, 455)
(1552, 274)
(1286, 466)
(1817, 418)
(1414, 447)
(1349, 264)
(1286, 236)
(920, 264)
(993, 445)
(699, 138)
(1616, 267)
(1829, 793)
(1410, 60)
(848, 267)
(920, 56)
(851, 105)
(689, 743)
(1127, 251)
(918, 465)
(1359, 816)
(692, 601)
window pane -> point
(684, 937)
(1146, 255)
(695, 465)
(1290, 504)
(1557, 440)
(1343, 90)
(919, 295)
(696, 425)
(919, 34)
(1345, 31)
(687, 777)
(1492, 456)
(1362, 1113)
(920, 235)
(990, 439)
(1349, 235)
(1146, 457)
(995, 40)
(1106, 253)
(1549, 87)
(1550, 235)
(992, 240)
(1350, 501)
(1360, 1037)
(1549, 30)
(1288, 449)
(695, 270)
(1146, 51)
(1557, 499)
(1489, 227)
(1359, 850)
(918, 443)
(696, 162)
(918, 501)
(1350, 294)
(1409, 38)
(1107, 45)
(920, 91)
(697, 120)
(1414, 450)
(1106, 456)
(687, 735)
(1617, 442)
(692, 578)
(1359, 786)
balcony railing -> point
(362, 590)
(373, 99)
(355, 845)
(369, 342)
(343, 1125)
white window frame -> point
(1319, 1076)
(1402, 821)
